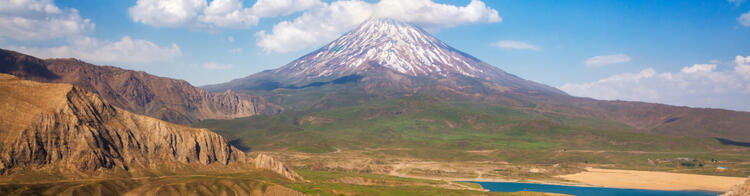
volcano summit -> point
(393, 54)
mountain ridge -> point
(164, 98)
(60, 125)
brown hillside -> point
(164, 98)
(62, 126)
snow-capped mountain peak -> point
(399, 46)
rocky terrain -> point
(267, 162)
(739, 190)
(163, 98)
(63, 126)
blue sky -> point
(675, 52)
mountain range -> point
(385, 58)
(163, 98)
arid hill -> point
(163, 98)
(63, 126)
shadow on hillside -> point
(237, 143)
(268, 85)
(24, 66)
(733, 143)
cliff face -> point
(163, 98)
(267, 162)
(59, 125)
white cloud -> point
(736, 2)
(40, 20)
(744, 19)
(43, 20)
(227, 14)
(742, 66)
(127, 50)
(235, 50)
(273, 8)
(510, 44)
(699, 68)
(326, 22)
(168, 13)
(315, 26)
(431, 15)
(216, 15)
(700, 85)
(197, 14)
(230, 39)
(599, 61)
(217, 66)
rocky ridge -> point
(267, 162)
(62, 126)
(163, 98)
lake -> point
(583, 191)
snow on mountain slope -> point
(392, 44)
(382, 47)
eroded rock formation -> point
(60, 125)
(267, 162)
(164, 98)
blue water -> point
(582, 191)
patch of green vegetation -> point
(426, 128)
(249, 183)
(330, 183)
(313, 148)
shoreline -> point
(590, 186)
(653, 180)
(622, 179)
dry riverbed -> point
(653, 180)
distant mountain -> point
(63, 126)
(164, 98)
(384, 58)
(394, 55)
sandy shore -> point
(615, 178)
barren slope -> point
(62, 126)
(164, 98)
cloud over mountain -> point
(216, 15)
(40, 20)
(126, 50)
(599, 61)
(519, 45)
(326, 22)
(700, 85)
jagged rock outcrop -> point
(163, 98)
(267, 162)
(739, 190)
(63, 126)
